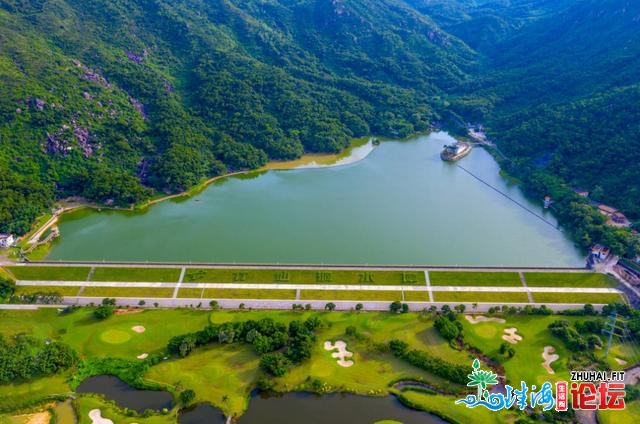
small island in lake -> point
(455, 151)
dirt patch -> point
(549, 357)
(143, 356)
(37, 418)
(96, 417)
(127, 311)
(511, 335)
(481, 318)
(621, 361)
(341, 354)
(138, 329)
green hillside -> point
(116, 101)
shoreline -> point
(308, 161)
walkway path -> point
(524, 284)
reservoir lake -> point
(399, 205)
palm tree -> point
(481, 378)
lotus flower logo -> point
(481, 379)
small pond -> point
(201, 413)
(125, 396)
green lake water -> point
(399, 205)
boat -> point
(455, 151)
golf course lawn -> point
(389, 295)
(628, 415)
(568, 279)
(225, 374)
(493, 297)
(15, 395)
(53, 273)
(86, 403)
(217, 371)
(526, 365)
(474, 278)
(159, 275)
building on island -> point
(6, 240)
(600, 252)
(616, 218)
(580, 192)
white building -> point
(6, 240)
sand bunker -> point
(121, 311)
(143, 356)
(96, 417)
(341, 354)
(621, 361)
(138, 329)
(511, 335)
(482, 318)
(549, 357)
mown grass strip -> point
(127, 292)
(577, 298)
(390, 295)
(472, 278)
(61, 290)
(162, 275)
(568, 279)
(286, 276)
(416, 296)
(249, 294)
(495, 297)
(53, 273)
(190, 293)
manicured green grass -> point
(416, 296)
(495, 297)
(568, 279)
(285, 276)
(127, 292)
(160, 275)
(577, 297)
(86, 403)
(628, 415)
(526, 365)
(62, 290)
(190, 293)
(473, 278)
(53, 273)
(213, 372)
(248, 294)
(390, 295)
(13, 396)
(220, 370)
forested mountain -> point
(114, 100)
(109, 99)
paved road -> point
(287, 304)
